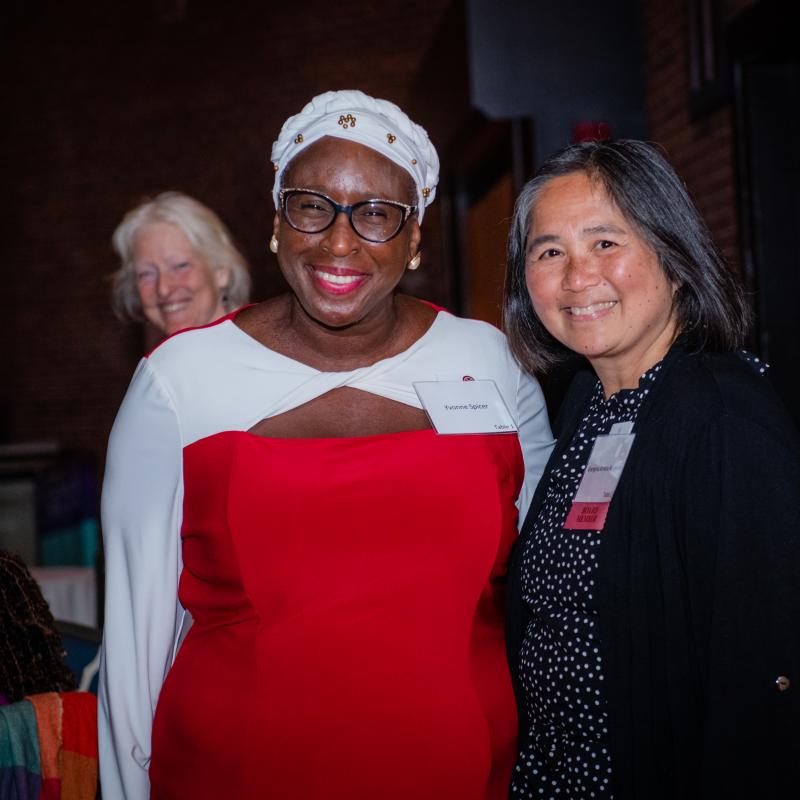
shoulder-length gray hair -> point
(710, 308)
(207, 235)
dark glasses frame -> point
(347, 210)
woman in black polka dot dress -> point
(654, 622)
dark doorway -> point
(491, 160)
(766, 82)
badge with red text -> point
(600, 479)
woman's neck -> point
(624, 371)
(365, 341)
(284, 326)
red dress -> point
(348, 624)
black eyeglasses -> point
(373, 220)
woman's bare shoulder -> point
(264, 321)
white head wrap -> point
(377, 124)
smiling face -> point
(338, 278)
(595, 283)
(177, 288)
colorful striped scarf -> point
(48, 747)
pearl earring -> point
(273, 244)
(414, 263)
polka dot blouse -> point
(561, 668)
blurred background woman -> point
(342, 560)
(180, 267)
(654, 631)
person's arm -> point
(141, 517)
(744, 503)
(535, 437)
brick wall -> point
(701, 147)
(106, 103)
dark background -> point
(106, 103)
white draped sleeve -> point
(535, 437)
(141, 517)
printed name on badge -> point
(473, 406)
(600, 478)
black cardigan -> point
(698, 587)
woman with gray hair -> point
(180, 267)
(327, 482)
(654, 613)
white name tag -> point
(604, 469)
(606, 462)
(465, 406)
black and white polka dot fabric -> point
(756, 363)
(561, 668)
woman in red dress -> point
(276, 475)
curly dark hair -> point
(31, 650)
(710, 307)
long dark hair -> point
(710, 308)
(31, 651)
